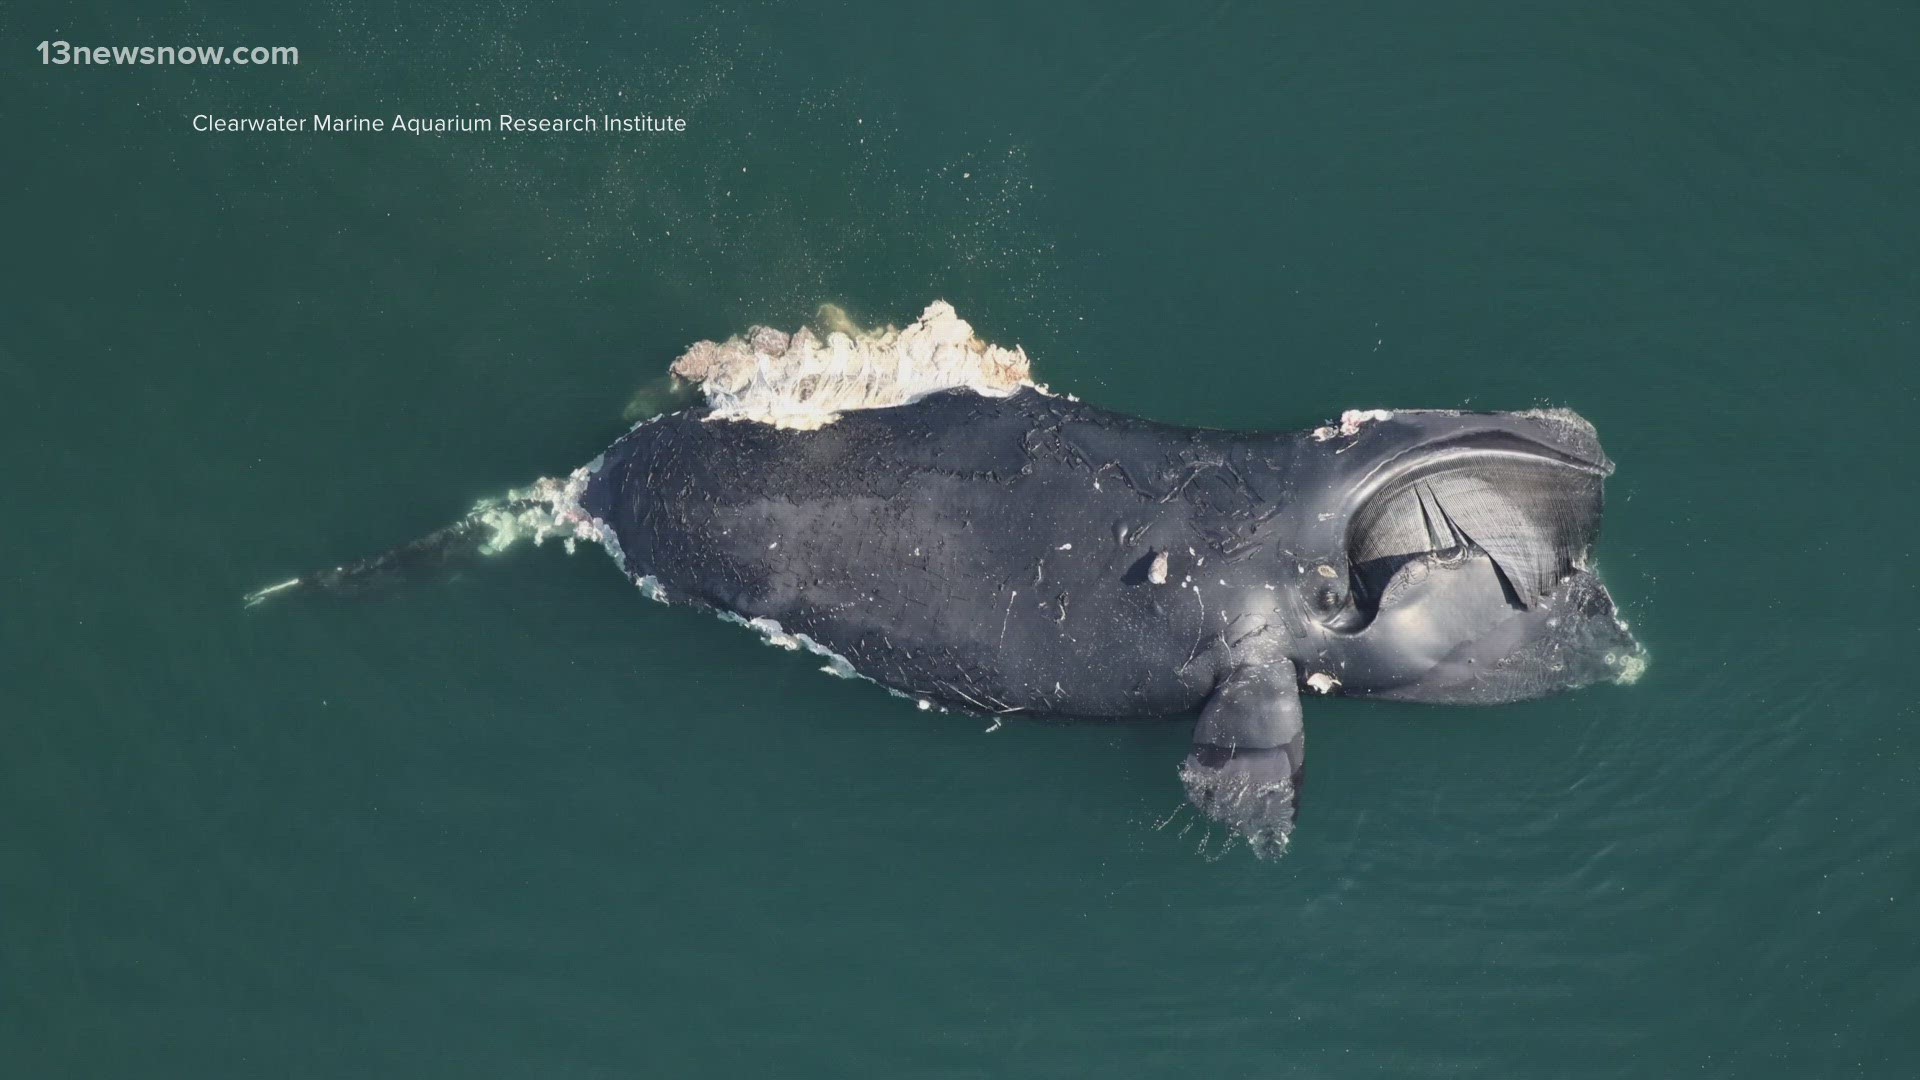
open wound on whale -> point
(800, 381)
(803, 381)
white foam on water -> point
(1631, 669)
(548, 508)
(776, 635)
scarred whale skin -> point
(910, 503)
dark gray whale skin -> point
(999, 555)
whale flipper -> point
(1249, 753)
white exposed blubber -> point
(802, 382)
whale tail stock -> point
(548, 508)
(482, 532)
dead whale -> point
(912, 506)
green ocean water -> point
(475, 828)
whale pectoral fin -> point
(1248, 757)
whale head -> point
(1467, 544)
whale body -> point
(979, 544)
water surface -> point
(471, 829)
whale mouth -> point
(1469, 560)
(1529, 510)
